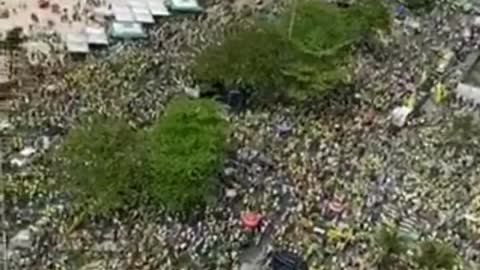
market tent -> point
(103, 12)
(96, 35)
(183, 5)
(77, 43)
(123, 13)
(142, 14)
(158, 8)
(127, 30)
(137, 3)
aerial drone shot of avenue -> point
(239, 134)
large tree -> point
(104, 162)
(305, 51)
(435, 255)
(187, 147)
(392, 246)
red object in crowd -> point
(251, 220)
(43, 3)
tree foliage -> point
(104, 161)
(391, 244)
(419, 5)
(430, 254)
(321, 29)
(256, 64)
(303, 52)
(186, 150)
(434, 255)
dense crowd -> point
(323, 179)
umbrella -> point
(251, 220)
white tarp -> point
(77, 43)
(127, 30)
(158, 8)
(137, 3)
(193, 92)
(19, 161)
(103, 12)
(468, 92)
(123, 13)
(184, 5)
(28, 151)
(399, 115)
(96, 35)
(143, 15)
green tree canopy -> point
(252, 55)
(392, 246)
(435, 255)
(104, 161)
(187, 148)
(303, 52)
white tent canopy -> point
(77, 43)
(137, 3)
(103, 12)
(127, 30)
(96, 35)
(158, 8)
(143, 15)
(184, 5)
(123, 13)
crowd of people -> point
(323, 179)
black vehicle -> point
(285, 260)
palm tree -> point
(392, 246)
(433, 254)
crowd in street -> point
(322, 179)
